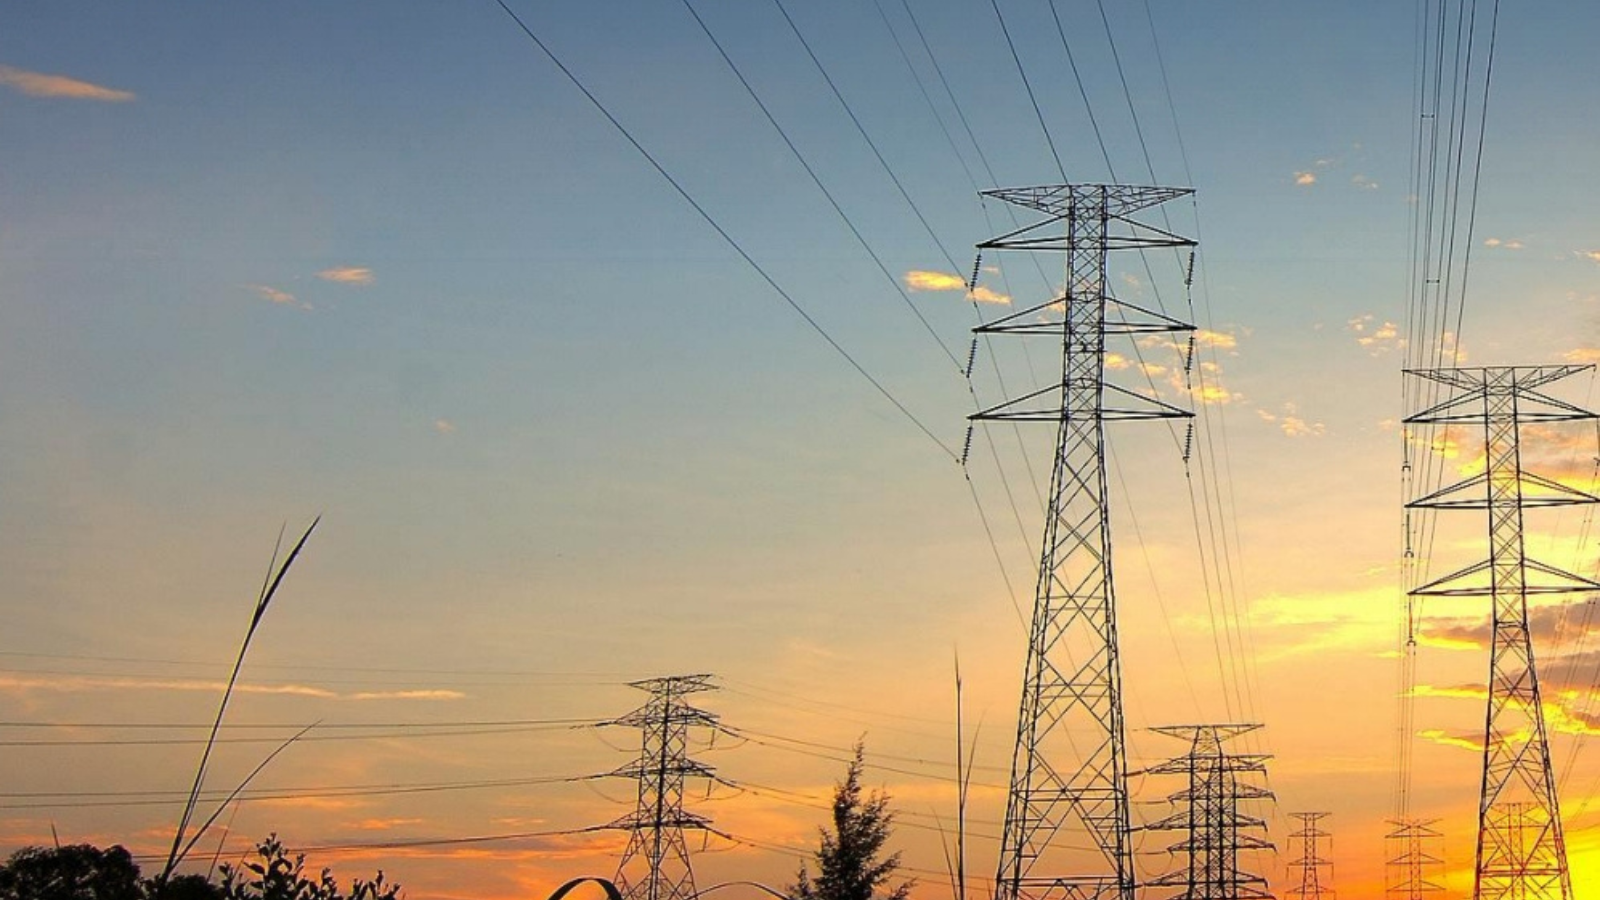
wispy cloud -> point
(1220, 340)
(1582, 355)
(1446, 739)
(444, 426)
(1503, 244)
(1305, 179)
(1592, 255)
(356, 275)
(1377, 337)
(1363, 182)
(1291, 423)
(923, 280)
(275, 296)
(59, 87)
(77, 684)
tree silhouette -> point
(848, 864)
(73, 872)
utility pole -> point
(655, 864)
(1207, 814)
(1312, 864)
(1411, 863)
(1068, 787)
(1521, 852)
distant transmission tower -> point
(1411, 863)
(655, 865)
(1208, 816)
(1316, 870)
(1522, 852)
(1068, 787)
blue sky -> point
(384, 263)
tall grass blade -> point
(268, 589)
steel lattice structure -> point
(1411, 865)
(1521, 850)
(1067, 776)
(656, 843)
(1208, 815)
(1312, 864)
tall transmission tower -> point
(655, 865)
(1313, 866)
(1521, 850)
(1068, 786)
(1411, 862)
(1208, 815)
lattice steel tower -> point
(655, 865)
(1410, 864)
(1313, 866)
(1521, 850)
(1208, 815)
(1067, 775)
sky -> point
(386, 264)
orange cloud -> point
(276, 297)
(356, 275)
(1305, 179)
(1445, 739)
(38, 84)
(1582, 355)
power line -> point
(723, 233)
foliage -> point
(74, 872)
(85, 872)
(274, 876)
(184, 887)
(848, 864)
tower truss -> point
(1316, 870)
(1413, 860)
(1521, 850)
(1067, 785)
(655, 864)
(1208, 816)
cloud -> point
(418, 694)
(1291, 423)
(275, 296)
(59, 87)
(1445, 739)
(1582, 355)
(921, 280)
(77, 684)
(381, 824)
(444, 426)
(1364, 183)
(1116, 362)
(1220, 340)
(918, 280)
(1593, 255)
(1305, 179)
(1511, 244)
(356, 275)
(1377, 337)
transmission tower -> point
(1208, 816)
(1521, 850)
(1067, 775)
(655, 865)
(1312, 864)
(1410, 862)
